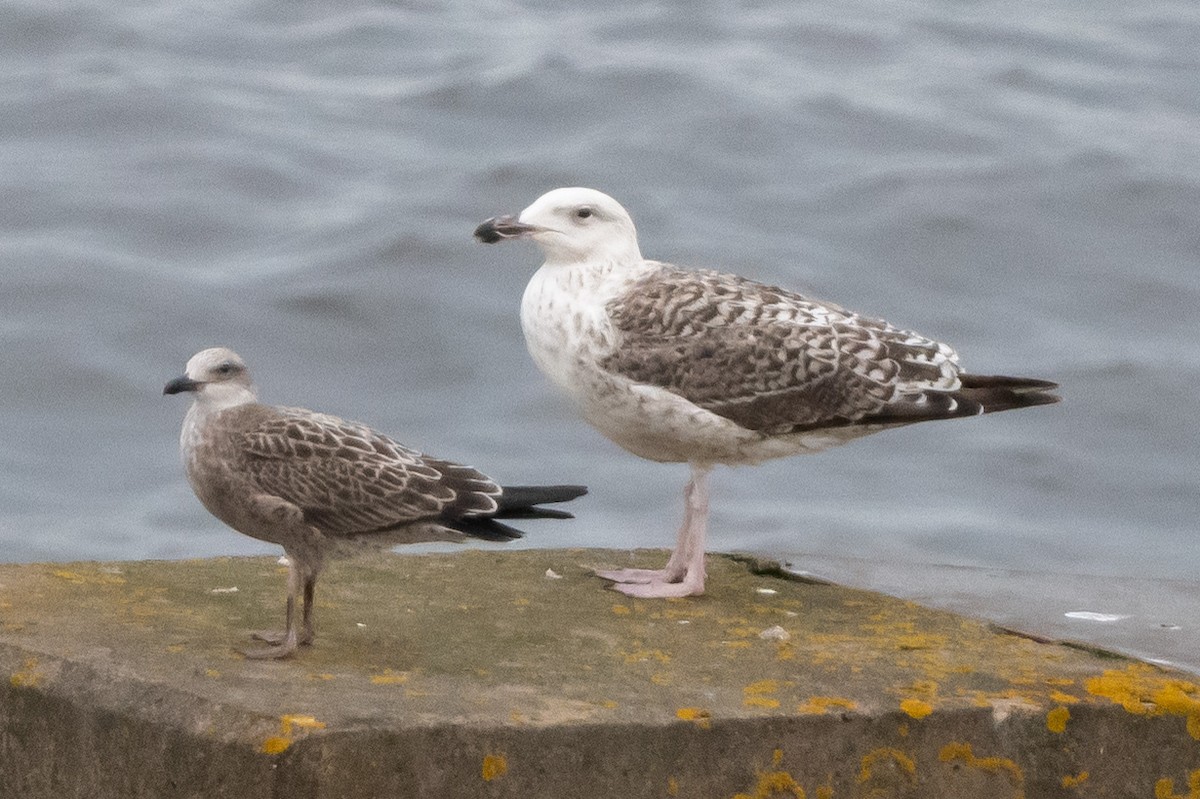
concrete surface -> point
(484, 674)
(1157, 620)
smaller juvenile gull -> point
(324, 487)
(695, 366)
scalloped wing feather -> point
(769, 359)
(350, 480)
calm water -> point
(301, 182)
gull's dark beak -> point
(503, 227)
(180, 385)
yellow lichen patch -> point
(275, 745)
(824, 792)
(1063, 699)
(660, 678)
(785, 651)
(69, 576)
(389, 677)
(757, 694)
(291, 722)
(212, 674)
(990, 765)
(1056, 719)
(30, 676)
(95, 578)
(672, 786)
(920, 641)
(175, 649)
(494, 767)
(822, 704)
(1074, 780)
(698, 715)
(1143, 690)
(774, 783)
(886, 754)
(917, 708)
(289, 725)
(621, 610)
(1165, 788)
(643, 655)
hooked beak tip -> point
(180, 385)
(499, 228)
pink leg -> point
(676, 566)
(689, 551)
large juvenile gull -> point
(702, 367)
(322, 487)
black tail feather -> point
(485, 528)
(1001, 393)
(516, 502)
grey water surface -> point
(300, 180)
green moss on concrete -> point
(441, 672)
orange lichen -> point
(1165, 788)
(757, 694)
(289, 725)
(774, 783)
(1145, 691)
(700, 716)
(885, 753)
(916, 708)
(643, 655)
(1074, 780)
(494, 767)
(28, 677)
(1056, 719)
(389, 677)
(672, 786)
(822, 704)
(991, 765)
(621, 610)
(1063, 699)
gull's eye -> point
(226, 368)
(583, 213)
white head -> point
(571, 225)
(217, 377)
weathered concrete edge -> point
(83, 727)
(87, 734)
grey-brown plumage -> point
(322, 487)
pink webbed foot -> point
(660, 589)
(639, 575)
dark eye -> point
(583, 213)
(226, 368)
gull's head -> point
(218, 377)
(572, 225)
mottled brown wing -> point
(349, 479)
(769, 359)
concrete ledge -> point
(476, 674)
